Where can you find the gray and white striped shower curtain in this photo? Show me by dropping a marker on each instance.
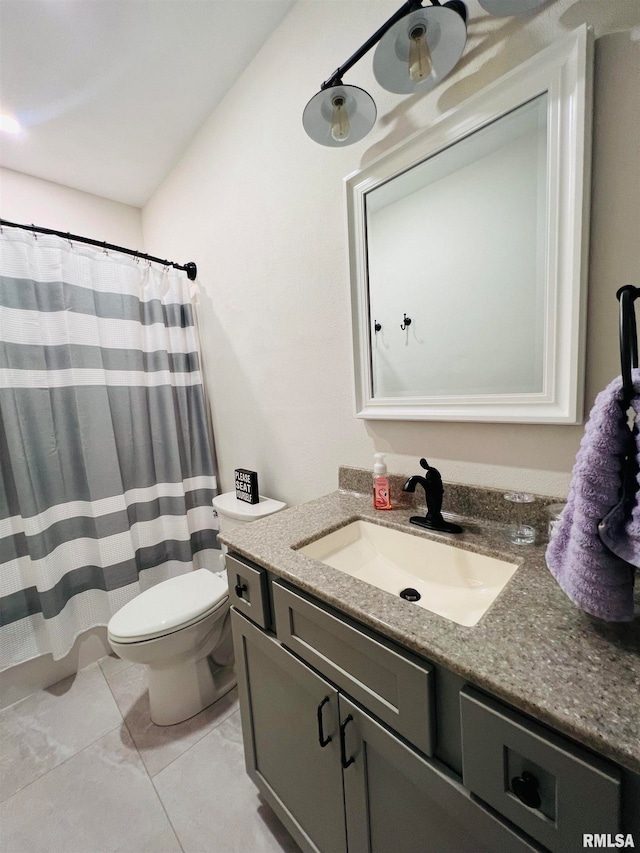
(106, 463)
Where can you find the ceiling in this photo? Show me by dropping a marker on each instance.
(110, 92)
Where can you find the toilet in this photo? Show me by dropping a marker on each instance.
(181, 629)
(233, 513)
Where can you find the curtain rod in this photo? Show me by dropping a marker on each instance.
(190, 268)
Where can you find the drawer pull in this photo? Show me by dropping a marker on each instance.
(240, 588)
(343, 747)
(525, 788)
(322, 740)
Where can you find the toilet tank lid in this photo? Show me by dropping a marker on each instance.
(170, 604)
(229, 505)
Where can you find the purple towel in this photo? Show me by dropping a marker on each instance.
(620, 528)
(595, 579)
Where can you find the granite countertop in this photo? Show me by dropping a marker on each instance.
(532, 648)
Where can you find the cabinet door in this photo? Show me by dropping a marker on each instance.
(291, 744)
(398, 801)
(393, 684)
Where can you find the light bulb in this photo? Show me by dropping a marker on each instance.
(8, 124)
(420, 63)
(340, 127)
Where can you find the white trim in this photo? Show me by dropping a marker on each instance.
(564, 71)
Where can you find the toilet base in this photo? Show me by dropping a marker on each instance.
(182, 691)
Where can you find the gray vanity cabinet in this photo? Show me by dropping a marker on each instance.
(396, 688)
(398, 801)
(340, 780)
(291, 738)
(346, 735)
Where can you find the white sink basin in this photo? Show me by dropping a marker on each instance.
(459, 585)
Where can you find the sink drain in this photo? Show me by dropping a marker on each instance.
(410, 594)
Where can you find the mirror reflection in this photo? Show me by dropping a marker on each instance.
(457, 246)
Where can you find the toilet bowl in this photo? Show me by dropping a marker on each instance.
(181, 630)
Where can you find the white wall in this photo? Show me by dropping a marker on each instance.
(260, 208)
(27, 200)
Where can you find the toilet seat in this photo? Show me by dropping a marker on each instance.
(173, 604)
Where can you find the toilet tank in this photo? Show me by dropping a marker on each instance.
(233, 513)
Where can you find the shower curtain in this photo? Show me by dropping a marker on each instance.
(106, 460)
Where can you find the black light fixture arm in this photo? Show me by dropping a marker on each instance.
(190, 267)
(336, 77)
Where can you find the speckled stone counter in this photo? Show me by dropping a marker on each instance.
(532, 648)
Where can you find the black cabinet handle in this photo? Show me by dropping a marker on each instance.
(240, 588)
(322, 740)
(343, 747)
(525, 788)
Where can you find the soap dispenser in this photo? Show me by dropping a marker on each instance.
(381, 489)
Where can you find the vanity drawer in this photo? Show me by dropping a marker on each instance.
(248, 590)
(395, 687)
(569, 790)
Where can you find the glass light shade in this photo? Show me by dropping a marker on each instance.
(446, 35)
(502, 8)
(339, 116)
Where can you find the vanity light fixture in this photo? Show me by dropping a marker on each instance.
(423, 47)
(417, 47)
(339, 115)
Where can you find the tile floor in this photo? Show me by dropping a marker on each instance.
(84, 770)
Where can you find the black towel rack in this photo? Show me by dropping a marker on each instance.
(628, 339)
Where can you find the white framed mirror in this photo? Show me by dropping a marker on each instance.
(468, 248)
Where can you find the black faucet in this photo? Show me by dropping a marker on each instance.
(433, 491)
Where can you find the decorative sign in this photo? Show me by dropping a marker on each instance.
(247, 486)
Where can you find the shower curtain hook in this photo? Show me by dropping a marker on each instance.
(69, 239)
(33, 231)
(104, 247)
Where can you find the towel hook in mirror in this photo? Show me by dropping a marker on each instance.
(406, 323)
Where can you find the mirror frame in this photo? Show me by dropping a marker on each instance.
(564, 70)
